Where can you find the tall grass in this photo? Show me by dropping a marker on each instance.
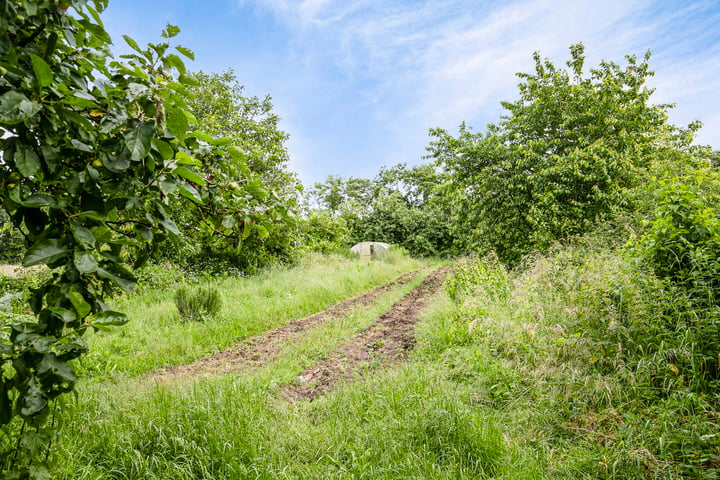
(404, 424)
(407, 422)
(582, 365)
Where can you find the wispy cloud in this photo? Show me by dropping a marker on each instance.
(419, 64)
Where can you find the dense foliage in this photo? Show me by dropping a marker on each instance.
(220, 109)
(569, 152)
(403, 206)
(92, 150)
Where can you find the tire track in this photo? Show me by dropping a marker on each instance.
(386, 341)
(259, 350)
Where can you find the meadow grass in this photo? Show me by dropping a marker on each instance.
(156, 337)
(515, 375)
(406, 422)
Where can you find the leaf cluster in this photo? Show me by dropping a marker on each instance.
(92, 150)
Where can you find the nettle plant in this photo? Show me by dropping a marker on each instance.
(92, 149)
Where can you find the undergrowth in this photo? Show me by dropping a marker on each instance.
(589, 358)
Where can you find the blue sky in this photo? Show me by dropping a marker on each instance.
(358, 83)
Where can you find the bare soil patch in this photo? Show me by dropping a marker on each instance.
(257, 351)
(385, 342)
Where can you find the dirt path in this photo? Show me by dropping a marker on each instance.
(385, 342)
(259, 350)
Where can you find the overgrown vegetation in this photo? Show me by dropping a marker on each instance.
(579, 337)
(589, 356)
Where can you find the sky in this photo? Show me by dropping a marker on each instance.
(358, 83)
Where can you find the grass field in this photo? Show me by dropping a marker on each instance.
(500, 382)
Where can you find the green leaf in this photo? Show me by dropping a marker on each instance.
(237, 153)
(44, 252)
(127, 283)
(109, 318)
(189, 80)
(83, 236)
(85, 262)
(133, 44)
(189, 175)
(67, 316)
(32, 401)
(57, 369)
(185, 159)
(186, 51)
(229, 221)
(93, 215)
(177, 122)
(204, 137)
(83, 147)
(138, 139)
(37, 200)
(116, 163)
(81, 306)
(172, 60)
(188, 191)
(222, 141)
(262, 231)
(16, 107)
(170, 31)
(163, 148)
(247, 228)
(27, 162)
(43, 72)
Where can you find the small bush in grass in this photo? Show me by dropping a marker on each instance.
(197, 303)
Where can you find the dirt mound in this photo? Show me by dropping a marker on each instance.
(257, 351)
(385, 342)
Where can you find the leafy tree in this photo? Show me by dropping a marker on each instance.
(569, 151)
(220, 108)
(402, 205)
(92, 149)
(324, 233)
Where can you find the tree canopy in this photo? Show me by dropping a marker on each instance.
(568, 152)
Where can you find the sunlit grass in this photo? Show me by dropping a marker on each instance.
(156, 337)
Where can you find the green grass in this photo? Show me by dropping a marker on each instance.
(518, 375)
(157, 338)
(406, 422)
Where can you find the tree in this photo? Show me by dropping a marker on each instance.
(220, 109)
(569, 152)
(402, 205)
(92, 149)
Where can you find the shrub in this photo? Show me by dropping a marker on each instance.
(197, 303)
(483, 277)
(682, 247)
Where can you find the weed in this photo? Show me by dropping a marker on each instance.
(197, 303)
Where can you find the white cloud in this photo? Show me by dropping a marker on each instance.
(419, 64)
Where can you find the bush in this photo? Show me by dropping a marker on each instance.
(197, 303)
(682, 247)
(483, 277)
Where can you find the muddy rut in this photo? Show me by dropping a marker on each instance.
(386, 341)
(257, 351)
